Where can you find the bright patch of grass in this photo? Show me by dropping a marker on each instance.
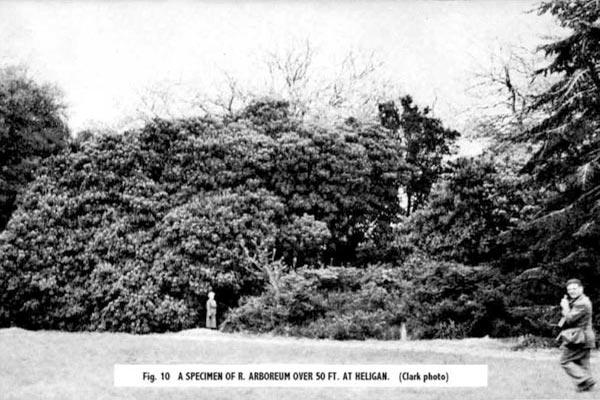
(60, 365)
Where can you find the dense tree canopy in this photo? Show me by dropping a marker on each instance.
(475, 201)
(31, 128)
(129, 232)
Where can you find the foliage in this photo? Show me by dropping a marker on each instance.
(76, 250)
(532, 226)
(427, 143)
(567, 159)
(346, 177)
(473, 203)
(272, 117)
(129, 232)
(451, 300)
(332, 302)
(563, 237)
(31, 128)
(436, 299)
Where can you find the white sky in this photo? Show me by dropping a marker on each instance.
(102, 54)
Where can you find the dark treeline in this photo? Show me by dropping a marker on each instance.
(341, 230)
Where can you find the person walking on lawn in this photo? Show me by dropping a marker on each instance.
(577, 336)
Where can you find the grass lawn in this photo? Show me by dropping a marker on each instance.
(60, 365)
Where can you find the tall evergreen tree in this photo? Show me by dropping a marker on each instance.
(564, 236)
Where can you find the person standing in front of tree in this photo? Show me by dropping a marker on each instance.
(211, 311)
(577, 335)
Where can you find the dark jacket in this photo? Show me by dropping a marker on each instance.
(580, 316)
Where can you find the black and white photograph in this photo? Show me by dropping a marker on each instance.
(321, 199)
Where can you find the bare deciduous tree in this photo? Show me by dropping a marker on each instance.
(316, 88)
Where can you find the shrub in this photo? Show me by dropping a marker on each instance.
(333, 302)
